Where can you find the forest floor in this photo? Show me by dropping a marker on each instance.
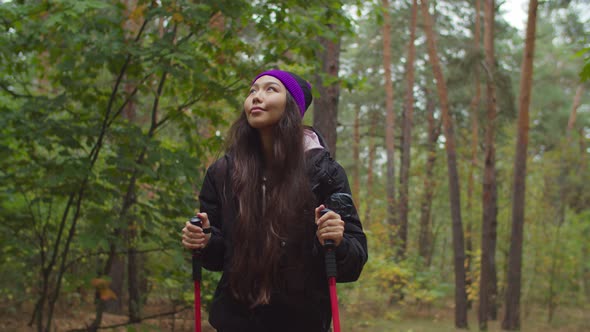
(393, 319)
(441, 319)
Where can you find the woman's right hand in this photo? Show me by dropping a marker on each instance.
(193, 236)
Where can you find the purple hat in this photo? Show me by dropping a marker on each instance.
(299, 88)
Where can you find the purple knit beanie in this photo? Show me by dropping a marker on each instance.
(299, 88)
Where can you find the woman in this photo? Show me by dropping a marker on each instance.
(262, 226)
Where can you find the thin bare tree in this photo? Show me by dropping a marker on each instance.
(512, 308)
(487, 284)
(425, 236)
(373, 120)
(389, 127)
(356, 162)
(407, 123)
(474, 107)
(325, 105)
(454, 188)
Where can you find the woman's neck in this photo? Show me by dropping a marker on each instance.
(267, 145)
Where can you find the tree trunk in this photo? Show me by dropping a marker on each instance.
(512, 315)
(407, 122)
(584, 267)
(118, 264)
(131, 235)
(454, 188)
(425, 241)
(134, 261)
(371, 163)
(133, 268)
(572, 119)
(474, 107)
(325, 105)
(117, 276)
(395, 240)
(487, 287)
(356, 162)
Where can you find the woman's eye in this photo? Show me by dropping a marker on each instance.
(271, 88)
(251, 91)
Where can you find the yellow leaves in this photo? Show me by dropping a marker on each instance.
(177, 17)
(107, 294)
(138, 13)
(103, 289)
(135, 18)
(473, 276)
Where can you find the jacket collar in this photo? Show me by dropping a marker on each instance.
(321, 140)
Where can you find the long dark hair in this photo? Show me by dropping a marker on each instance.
(259, 232)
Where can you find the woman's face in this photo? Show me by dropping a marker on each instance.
(265, 104)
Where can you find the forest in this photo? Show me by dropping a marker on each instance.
(464, 134)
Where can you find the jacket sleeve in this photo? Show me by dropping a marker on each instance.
(210, 203)
(352, 253)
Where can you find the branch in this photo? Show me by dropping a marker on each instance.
(487, 70)
(106, 122)
(155, 123)
(176, 112)
(12, 93)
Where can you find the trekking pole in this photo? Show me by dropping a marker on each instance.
(331, 272)
(196, 221)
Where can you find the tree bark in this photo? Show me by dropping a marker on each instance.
(371, 163)
(487, 287)
(572, 119)
(425, 241)
(454, 188)
(474, 107)
(118, 264)
(512, 315)
(325, 105)
(117, 276)
(395, 240)
(356, 163)
(407, 122)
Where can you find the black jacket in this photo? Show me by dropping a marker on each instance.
(302, 303)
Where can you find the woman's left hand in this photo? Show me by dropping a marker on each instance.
(330, 226)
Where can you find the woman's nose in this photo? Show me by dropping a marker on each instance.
(256, 98)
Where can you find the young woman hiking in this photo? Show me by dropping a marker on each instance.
(262, 227)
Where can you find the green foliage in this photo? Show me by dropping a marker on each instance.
(109, 116)
(585, 73)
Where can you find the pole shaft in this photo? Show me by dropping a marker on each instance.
(197, 306)
(334, 303)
